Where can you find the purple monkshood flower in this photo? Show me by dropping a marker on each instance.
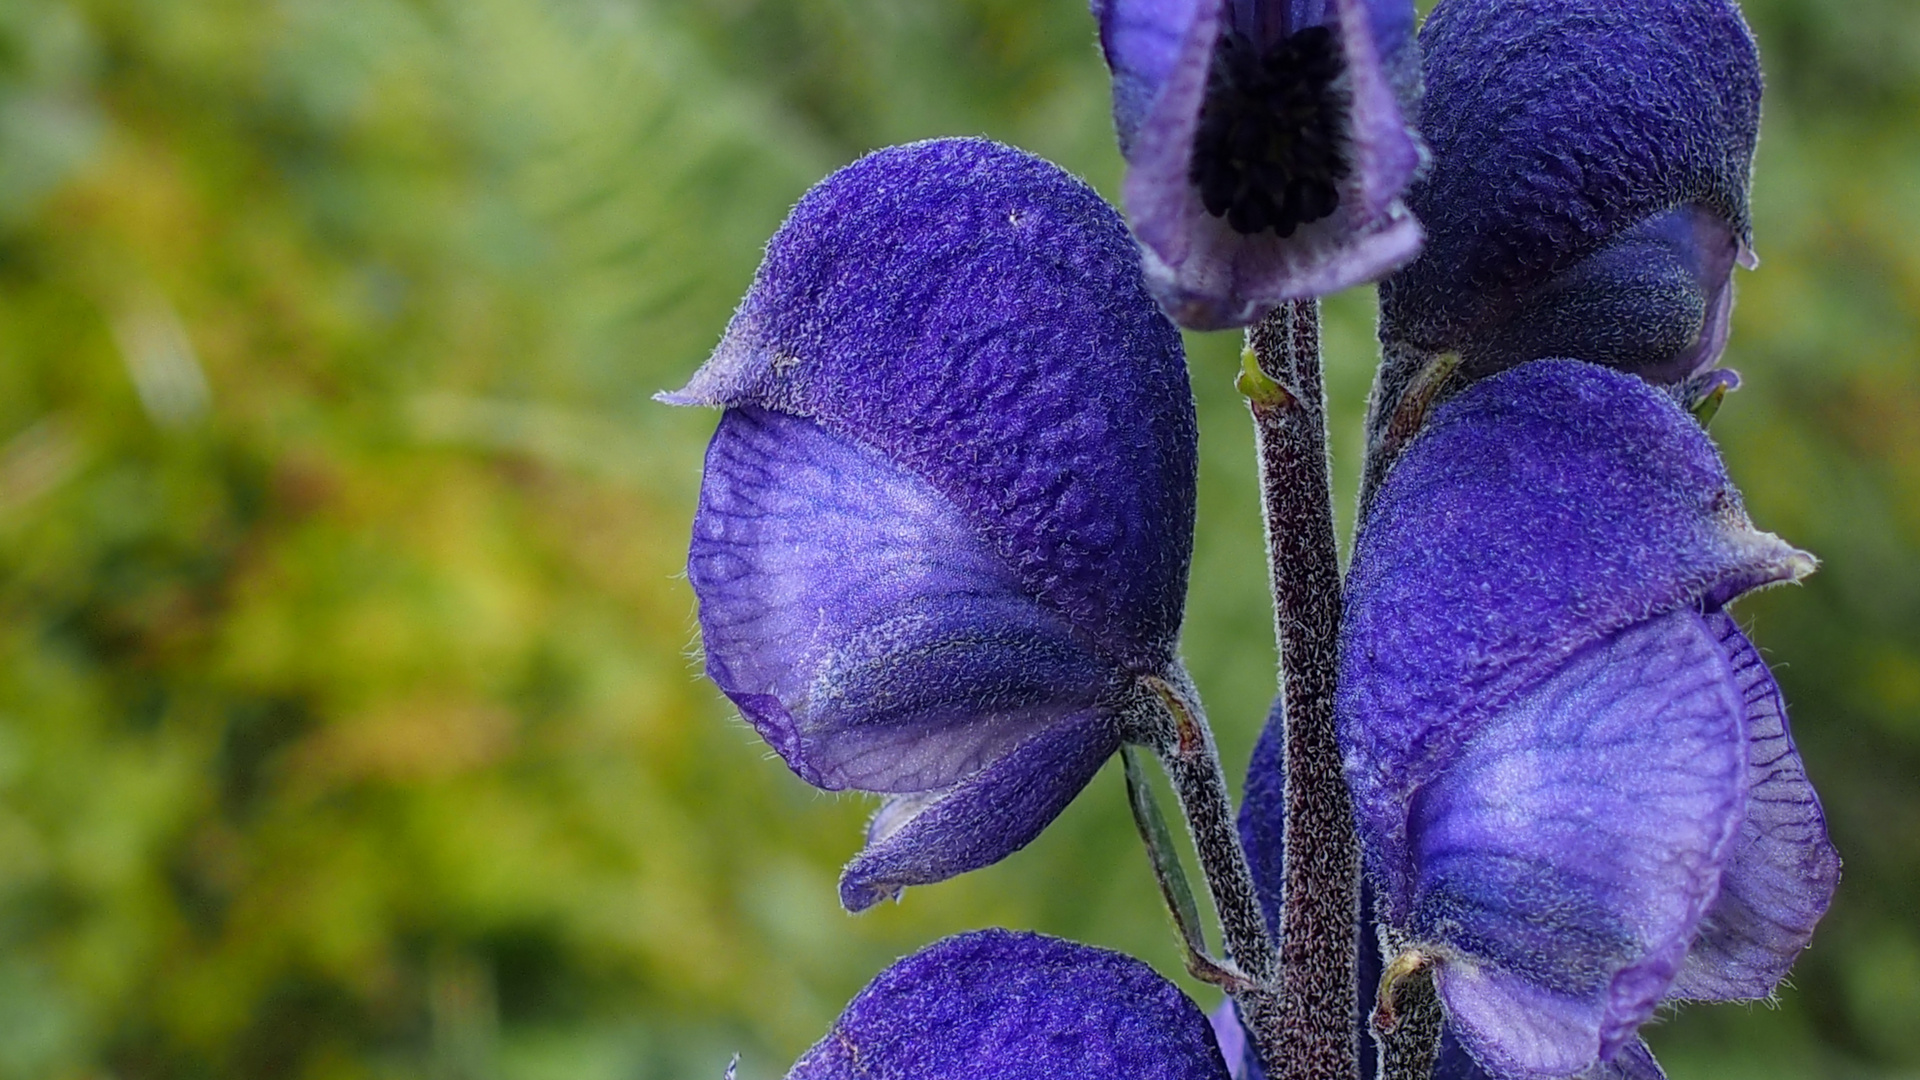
(1267, 146)
(1259, 828)
(1588, 189)
(946, 518)
(1571, 771)
(999, 1005)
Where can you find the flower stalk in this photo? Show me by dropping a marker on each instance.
(1167, 718)
(1320, 893)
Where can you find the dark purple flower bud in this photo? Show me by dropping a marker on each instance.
(1588, 189)
(1000, 1005)
(1571, 771)
(947, 516)
(1267, 146)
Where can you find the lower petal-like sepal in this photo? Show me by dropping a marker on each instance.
(866, 632)
(1564, 859)
(876, 644)
(923, 838)
(1782, 873)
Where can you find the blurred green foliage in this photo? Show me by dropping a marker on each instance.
(350, 719)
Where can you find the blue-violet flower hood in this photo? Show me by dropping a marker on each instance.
(1571, 771)
(1588, 192)
(946, 518)
(1000, 1005)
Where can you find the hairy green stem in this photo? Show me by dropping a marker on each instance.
(1314, 1038)
(1165, 715)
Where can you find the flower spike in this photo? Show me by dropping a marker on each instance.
(947, 515)
(1571, 772)
(1267, 147)
(999, 1005)
(1588, 194)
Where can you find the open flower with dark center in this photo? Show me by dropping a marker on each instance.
(1267, 146)
(1588, 194)
(1571, 771)
(999, 1005)
(1267, 156)
(946, 519)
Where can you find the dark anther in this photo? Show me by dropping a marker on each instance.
(1268, 153)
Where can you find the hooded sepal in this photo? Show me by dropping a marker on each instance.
(1571, 774)
(1000, 1005)
(976, 315)
(949, 510)
(1588, 195)
(1457, 601)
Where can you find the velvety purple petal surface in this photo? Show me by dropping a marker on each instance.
(1144, 41)
(976, 316)
(1383, 69)
(1783, 870)
(999, 1005)
(921, 839)
(1207, 275)
(1633, 1062)
(1555, 126)
(1655, 301)
(1543, 510)
(1561, 864)
(1452, 1062)
(1234, 1048)
(858, 621)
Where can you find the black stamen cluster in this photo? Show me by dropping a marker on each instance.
(1268, 153)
